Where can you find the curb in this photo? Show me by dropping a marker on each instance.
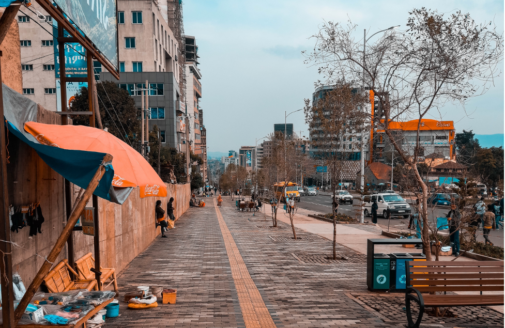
(474, 256)
(322, 218)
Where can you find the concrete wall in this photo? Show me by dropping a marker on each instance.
(127, 230)
(11, 58)
(31, 180)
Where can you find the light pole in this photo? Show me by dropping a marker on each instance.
(362, 172)
(285, 146)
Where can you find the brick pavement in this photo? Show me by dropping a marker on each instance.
(297, 284)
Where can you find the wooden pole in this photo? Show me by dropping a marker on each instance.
(5, 247)
(91, 78)
(72, 220)
(96, 242)
(7, 17)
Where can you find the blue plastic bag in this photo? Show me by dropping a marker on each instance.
(442, 224)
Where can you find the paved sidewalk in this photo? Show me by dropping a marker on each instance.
(231, 269)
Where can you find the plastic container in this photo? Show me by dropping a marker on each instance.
(103, 313)
(169, 296)
(144, 289)
(381, 271)
(157, 291)
(112, 310)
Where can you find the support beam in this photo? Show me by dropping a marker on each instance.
(96, 242)
(7, 17)
(5, 232)
(53, 255)
(90, 79)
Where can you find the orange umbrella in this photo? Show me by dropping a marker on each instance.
(130, 168)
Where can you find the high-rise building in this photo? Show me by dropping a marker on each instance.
(281, 127)
(247, 156)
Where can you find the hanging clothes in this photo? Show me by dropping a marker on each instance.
(35, 219)
(18, 221)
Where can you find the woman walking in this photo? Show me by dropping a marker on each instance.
(375, 207)
(160, 218)
(489, 223)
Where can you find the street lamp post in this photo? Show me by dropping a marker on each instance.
(362, 173)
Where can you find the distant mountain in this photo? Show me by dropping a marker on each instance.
(490, 140)
(216, 154)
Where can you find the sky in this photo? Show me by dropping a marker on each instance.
(253, 70)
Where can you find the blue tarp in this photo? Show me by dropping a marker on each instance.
(5, 3)
(76, 166)
(447, 180)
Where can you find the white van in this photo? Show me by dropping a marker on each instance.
(394, 202)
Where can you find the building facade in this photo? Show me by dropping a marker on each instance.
(436, 139)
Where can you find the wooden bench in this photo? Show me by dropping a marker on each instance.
(58, 279)
(108, 276)
(451, 276)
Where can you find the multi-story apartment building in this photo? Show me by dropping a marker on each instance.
(259, 157)
(148, 51)
(37, 55)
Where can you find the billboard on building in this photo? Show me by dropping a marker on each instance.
(321, 169)
(97, 20)
(75, 56)
(73, 88)
(248, 160)
(181, 125)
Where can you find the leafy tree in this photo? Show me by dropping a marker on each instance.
(170, 161)
(467, 147)
(196, 181)
(117, 110)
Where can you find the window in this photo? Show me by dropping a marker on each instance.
(47, 43)
(162, 134)
(156, 89)
(27, 67)
(23, 19)
(50, 91)
(28, 91)
(48, 67)
(121, 67)
(350, 146)
(197, 136)
(157, 113)
(154, 25)
(197, 127)
(137, 66)
(49, 19)
(97, 69)
(130, 43)
(120, 17)
(156, 49)
(137, 17)
(441, 137)
(26, 43)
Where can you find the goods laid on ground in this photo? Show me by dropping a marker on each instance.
(65, 308)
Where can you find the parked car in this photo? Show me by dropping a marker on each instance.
(394, 202)
(343, 196)
(311, 191)
(443, 199)
(301, 191)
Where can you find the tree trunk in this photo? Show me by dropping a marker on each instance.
(274, 217)
(334, 236)
(292, 224)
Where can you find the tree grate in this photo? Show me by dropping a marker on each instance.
(327, 259)
(391, 309)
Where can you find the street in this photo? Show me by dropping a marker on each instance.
(322, 204)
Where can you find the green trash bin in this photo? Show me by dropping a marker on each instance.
(381, 271)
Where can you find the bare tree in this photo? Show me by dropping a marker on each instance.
(438, 59)
(335, 122)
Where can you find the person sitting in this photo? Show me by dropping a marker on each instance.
(258, 204)
(219, 200)
(192, 201)
(160, 218)
(242, 204)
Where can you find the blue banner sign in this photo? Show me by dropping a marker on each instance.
(75, 59)
(97, 21)
(321, 169)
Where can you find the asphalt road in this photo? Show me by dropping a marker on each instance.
(322, 204)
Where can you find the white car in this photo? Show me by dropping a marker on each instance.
(343, 196)
(311, 192)
(387, 201)
(301, 191)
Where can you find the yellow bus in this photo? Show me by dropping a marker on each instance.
(291, 191)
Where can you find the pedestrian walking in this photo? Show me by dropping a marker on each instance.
(286, 207)
(335, 204)
(489, 223)
(273, 204)
(414, 214)
(498, 216)
(454, 218)
(480, 209)
(160, 218)
(375, 207)
(291, 205)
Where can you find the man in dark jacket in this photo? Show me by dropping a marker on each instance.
(454, 218)
(170, 209)
(160, 218)
(375, 207)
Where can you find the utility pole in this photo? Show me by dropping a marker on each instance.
(188, 158)
(142, 111)
(147, 117)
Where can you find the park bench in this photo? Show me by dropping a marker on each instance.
(58, 280)
(426, 279)
(251, 206)
(85, 265)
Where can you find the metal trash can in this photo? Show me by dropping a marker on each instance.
(399, 270)
(381, 271)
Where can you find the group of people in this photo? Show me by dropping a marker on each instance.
(161, 218)
(255, 200)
